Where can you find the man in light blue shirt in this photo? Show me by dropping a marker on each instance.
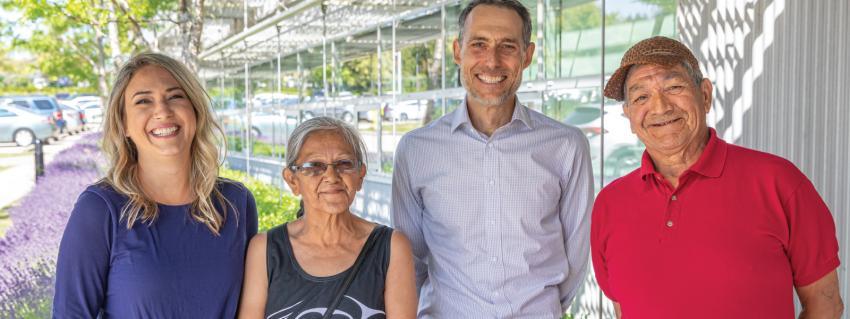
(494, 197)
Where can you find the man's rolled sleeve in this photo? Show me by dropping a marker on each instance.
(812, 247)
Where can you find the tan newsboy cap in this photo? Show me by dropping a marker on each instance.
(655, 50)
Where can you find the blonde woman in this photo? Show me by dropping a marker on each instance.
(161, 236)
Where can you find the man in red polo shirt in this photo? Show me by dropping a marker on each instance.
(705, 229)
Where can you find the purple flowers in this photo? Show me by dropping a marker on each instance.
(29, 249)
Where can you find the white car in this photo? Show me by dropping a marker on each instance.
(93, 111)
(262, 100)
(85, 99)
(74, 118)
(406, 110)
(622, 151)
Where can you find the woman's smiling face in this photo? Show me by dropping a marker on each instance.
(159, 117)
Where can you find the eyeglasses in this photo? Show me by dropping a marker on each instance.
(319, 168)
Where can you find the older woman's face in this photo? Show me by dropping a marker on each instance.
(331, 192)
(158, 116)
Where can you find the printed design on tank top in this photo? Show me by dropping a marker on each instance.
(287, 313)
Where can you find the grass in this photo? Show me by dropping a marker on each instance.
(40, 308)
(9, 155)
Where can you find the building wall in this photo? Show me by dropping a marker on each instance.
(781, 72)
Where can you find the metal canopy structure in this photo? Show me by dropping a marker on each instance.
(304, 26)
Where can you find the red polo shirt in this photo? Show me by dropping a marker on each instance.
(741, 230)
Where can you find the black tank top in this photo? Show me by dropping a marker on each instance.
(295, 294)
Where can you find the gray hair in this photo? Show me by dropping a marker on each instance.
(694, 74)
(324, 123)
(508, 4)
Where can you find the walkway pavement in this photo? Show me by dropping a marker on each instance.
(17, 167)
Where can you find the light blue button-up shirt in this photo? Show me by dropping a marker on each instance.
(499, 225)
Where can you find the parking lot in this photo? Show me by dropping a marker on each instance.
(17, 167)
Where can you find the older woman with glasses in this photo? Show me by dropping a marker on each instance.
(328, 261)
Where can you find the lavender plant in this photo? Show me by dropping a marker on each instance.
(29, 249)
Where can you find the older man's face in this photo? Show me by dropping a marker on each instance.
(666, 109)
(492, 55)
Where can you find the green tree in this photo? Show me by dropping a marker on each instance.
(665, 7)
(585, 16)
(87, 40)
(83, 39)
(357, 75)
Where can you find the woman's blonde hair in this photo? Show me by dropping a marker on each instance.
(123, 155)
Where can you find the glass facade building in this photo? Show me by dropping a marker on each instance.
(387, 68)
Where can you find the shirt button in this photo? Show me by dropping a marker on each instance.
(674, 197)
(492, 182)
(492, 223)
(669, 223)
(494, 259)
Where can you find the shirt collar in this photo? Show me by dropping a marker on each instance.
(710, 163)
(461, 116)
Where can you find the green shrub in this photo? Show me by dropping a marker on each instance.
(274, 206)
(234, 144)
(266, 149)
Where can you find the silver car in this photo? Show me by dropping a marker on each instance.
(24, 127)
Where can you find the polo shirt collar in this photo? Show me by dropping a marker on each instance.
(461, 116)
(710, 163)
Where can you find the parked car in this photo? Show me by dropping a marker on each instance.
(93, 111)
(343, 113)
(86, 99)
(74, 118)
(622, 149)
(90, 105)
(406, 110)
(40, 104)
(263, 100)
(24, 127)
(269, 126)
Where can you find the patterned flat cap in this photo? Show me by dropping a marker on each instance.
(655, 50)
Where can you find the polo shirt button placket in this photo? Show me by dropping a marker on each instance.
(672, 205)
